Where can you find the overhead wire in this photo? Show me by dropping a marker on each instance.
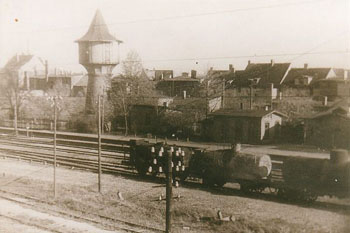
(189, 15)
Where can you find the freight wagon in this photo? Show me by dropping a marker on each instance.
(291, 178)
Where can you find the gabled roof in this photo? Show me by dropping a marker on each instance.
(246, 113)
(16, 62)
(263, 74)
(98, 31)
(315, 73)
(266, 72)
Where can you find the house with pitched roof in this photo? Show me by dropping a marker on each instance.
(183, 85)
(301, 82)
(28, 70)
(255, 87)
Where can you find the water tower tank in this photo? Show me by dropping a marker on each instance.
(99, 54)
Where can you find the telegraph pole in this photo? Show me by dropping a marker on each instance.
(207, 101)
(103, 115)
(54, 146)
(55, 106)
(15, 116)
(99, 143)
(169, 192)
(223, 94)
(251, 97)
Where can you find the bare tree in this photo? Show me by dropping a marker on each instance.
(131, 87)
(9, 85)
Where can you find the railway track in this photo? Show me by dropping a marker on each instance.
(70, 157)
(47, 145)
(113, 223)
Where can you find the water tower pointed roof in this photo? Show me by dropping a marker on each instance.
(98, 30)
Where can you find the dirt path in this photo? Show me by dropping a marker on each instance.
(8, 225)
(17, 218)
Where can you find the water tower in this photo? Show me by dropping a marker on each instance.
(99, 54)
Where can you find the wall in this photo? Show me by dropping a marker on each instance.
(176, 88)
(232, 129)
(331, 89)
(295, 101)
(238, 98)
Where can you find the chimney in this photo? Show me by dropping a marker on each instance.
(345, 75)
(230, 67)
(306, 66)
(193, 74)
(248, 62)
(325, 101)
(184, 74)
(272, 62)
(184, 94)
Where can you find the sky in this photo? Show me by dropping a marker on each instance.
(183, 34)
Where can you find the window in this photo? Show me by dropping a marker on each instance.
(241, 106)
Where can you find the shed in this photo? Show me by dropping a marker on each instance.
(246, 126)
(330, 128)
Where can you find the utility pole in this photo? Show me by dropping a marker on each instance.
(54, 104)
(15, 115)
(223, 94)
(207, 101)
(169, 192)
(103, 115)
(99, 143)
(251, 97)
(54, 146)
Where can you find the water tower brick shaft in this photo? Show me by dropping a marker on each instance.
(98, 53)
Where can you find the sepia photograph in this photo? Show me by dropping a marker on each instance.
(180, 116)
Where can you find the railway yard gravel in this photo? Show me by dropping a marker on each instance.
(194, 211)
